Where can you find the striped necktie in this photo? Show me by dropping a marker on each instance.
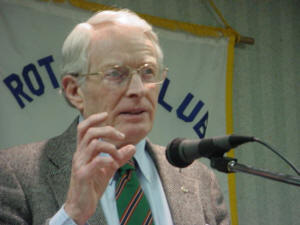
(133, 207)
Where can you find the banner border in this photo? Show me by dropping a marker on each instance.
(229, 127)
(174, 25)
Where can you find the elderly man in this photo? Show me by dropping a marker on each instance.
(112, 68)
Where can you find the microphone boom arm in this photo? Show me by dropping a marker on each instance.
(230, 165)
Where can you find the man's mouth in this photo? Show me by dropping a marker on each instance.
(133, 112)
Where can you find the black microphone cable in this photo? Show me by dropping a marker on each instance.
(278, 154)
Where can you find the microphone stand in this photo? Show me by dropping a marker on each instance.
(230, 165)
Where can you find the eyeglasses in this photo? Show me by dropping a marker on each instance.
(120, 75)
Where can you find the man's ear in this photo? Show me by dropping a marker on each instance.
(72, 91)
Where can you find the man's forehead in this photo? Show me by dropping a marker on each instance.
(107, 30)
(119, 36)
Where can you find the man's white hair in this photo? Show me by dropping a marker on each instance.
(75, 57)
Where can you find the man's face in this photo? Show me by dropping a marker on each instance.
(131, 107)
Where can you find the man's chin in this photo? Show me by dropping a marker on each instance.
(134, 133)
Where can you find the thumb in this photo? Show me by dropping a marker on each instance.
(126, 153)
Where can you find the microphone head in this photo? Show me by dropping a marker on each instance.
(173, 154)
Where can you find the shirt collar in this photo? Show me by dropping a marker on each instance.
(143, 160)
(80, 118)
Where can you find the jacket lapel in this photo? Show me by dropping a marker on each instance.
(60, 152)
(182, 191)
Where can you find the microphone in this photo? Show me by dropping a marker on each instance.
(182, 152)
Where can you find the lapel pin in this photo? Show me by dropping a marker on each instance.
(184, 190)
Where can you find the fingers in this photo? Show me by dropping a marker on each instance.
(91, 121)
(96, 147)
(107, 166)
(91, 129)
(105, 133)
(88, 143)
(87, 156)
(126, 153)
(121, 156)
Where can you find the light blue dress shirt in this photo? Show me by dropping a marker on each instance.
(150, 183)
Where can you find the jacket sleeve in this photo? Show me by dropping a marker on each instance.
(14, 208)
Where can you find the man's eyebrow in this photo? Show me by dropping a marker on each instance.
(110, 64)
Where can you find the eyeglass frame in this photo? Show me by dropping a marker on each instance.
(163, 71)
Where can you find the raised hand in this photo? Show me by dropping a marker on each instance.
(90, 171)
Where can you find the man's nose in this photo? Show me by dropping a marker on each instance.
(136, 86)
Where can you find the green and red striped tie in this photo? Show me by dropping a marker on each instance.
(133, 207)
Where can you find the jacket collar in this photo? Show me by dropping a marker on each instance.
(60, 152)
(61, 148)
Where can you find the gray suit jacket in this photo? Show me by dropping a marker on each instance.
(34, 180)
